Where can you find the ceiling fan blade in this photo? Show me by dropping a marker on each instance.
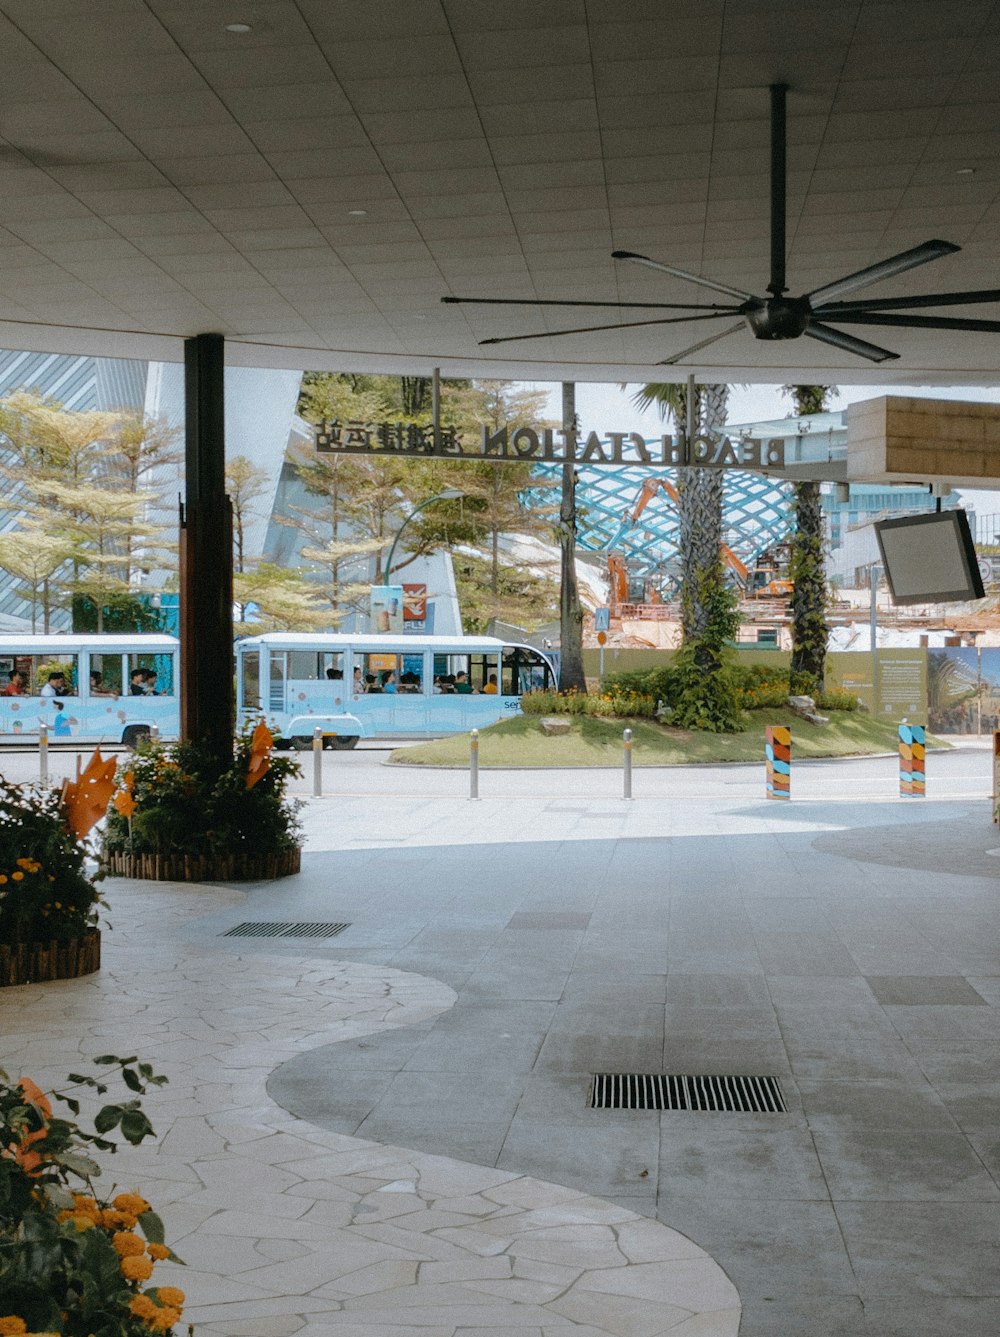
(833, 310)
(696, 348)
(885, 269)
(540, 301)
(916, 322)
(681, 274)
(591, 329)
(778, 188)
(847, 342)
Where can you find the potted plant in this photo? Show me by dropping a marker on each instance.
(73, 1264)
(182, 815)
(48, 903)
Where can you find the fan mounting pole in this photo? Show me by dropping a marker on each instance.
(778, 192)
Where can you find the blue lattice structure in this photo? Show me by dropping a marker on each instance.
(756, 515)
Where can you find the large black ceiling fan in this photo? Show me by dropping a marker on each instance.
(779, 316)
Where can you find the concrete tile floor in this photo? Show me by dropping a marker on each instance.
(833, 941)
(721, 937)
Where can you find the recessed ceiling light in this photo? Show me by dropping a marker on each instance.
(358, 213)
(238, 27)
(965, 171)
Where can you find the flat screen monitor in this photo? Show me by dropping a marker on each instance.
(930, 558)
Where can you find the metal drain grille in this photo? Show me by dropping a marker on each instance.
(673, 1091)
(276, 929)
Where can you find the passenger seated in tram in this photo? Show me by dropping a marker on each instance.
(389, 683)
(491, 688)
(371, 683)
(462, 684)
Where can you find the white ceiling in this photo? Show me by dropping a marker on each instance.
(162, 177)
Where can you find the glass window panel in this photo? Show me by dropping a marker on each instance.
(105, 675)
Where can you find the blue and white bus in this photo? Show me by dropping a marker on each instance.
(88, 688)
(379, 685)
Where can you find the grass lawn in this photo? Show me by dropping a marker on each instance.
(597, 742)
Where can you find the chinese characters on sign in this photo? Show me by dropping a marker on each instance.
(713, 450)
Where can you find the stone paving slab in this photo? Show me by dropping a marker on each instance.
(287, 1228)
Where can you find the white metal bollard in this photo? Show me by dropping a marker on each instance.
(154, 733)
(474, 764)
(318, 761)
(627, 761)
(43, 753)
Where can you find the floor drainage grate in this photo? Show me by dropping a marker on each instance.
(673, 1091)
(276, 929)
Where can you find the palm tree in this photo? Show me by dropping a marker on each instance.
(701, 490)
(810, 630)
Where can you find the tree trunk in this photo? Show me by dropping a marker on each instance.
(700, 514)
(571, 676)
(810, 631)
(415, 391)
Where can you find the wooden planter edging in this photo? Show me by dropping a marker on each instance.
(35, 962)
(205, 868)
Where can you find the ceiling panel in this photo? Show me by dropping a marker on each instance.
(323, 179)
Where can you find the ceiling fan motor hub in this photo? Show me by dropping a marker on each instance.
(778, 317)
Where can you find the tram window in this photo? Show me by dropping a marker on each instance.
(41, 670)
(481, 669)
(105, 675)
(251, 679)
(331, 663)
(150, 675)
(380, 672)
(524, 671)
(411, 674)
(305, 665)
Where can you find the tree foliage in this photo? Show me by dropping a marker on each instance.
(807, 567)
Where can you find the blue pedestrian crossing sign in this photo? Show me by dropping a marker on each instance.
(602, 619)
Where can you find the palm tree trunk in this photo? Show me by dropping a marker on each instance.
(700, 515)
(571, 675)
(810, 630)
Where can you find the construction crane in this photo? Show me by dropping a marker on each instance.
(764, 581)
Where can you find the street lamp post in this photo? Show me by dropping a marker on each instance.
(449, 494)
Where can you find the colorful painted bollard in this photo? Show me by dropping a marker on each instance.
(778, 756)
(912, 773)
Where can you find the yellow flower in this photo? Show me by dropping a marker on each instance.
(170, 1295)
(127, 1245)
(3, 878)
(84, 1204)
(17, 877)
(157, 1251)
(142, 1306)
(112, 1219)
(130, 1202)
(136, 1268)
(11, 1325)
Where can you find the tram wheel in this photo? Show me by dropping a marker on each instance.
(300, 743)
(342, 742)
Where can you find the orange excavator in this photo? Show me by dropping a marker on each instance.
(764, 581)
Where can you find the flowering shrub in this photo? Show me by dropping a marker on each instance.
(616, 704)
(182, 803)
(72, 1263)
(44, 892)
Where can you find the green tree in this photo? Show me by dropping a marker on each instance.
(807, 568)
(286, 600)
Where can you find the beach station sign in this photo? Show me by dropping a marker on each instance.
(549, 445)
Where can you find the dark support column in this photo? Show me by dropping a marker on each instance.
(208, 713)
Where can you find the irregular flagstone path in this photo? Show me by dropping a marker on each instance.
(288, 1229)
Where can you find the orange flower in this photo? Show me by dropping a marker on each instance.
(143, 1307)
(164, 1319)
(111, 1219)
(130, 1202)
(11, 1325)
(86, 1205)
(127, 1245)
(157, 1251)
(136, 1268)
(170, 1295)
